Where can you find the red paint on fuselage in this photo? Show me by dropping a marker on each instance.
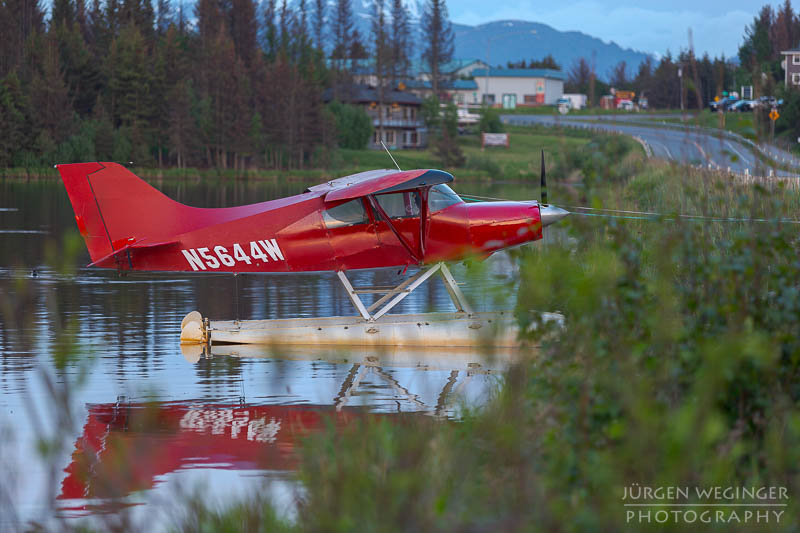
(129, 225)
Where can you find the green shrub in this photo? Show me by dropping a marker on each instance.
(490, 121)
(353, 125)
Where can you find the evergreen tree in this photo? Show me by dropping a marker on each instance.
(379, 54)
(270, 30)
(319, 23)
(438, 36)
(400, 43)
(15, 120)
(618, 77)
(163, 16)
(20, 20)
(63, 13)
(244, 29)
(342, 32)
(579, 77)
(49, 96)
(130, 83)
(757, 47)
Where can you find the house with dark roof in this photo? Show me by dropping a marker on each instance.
(397, 120)
(511, 88)
(791, 68)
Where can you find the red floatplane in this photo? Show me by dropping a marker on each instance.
(374, 219)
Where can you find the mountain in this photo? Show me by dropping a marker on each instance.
(513, 40)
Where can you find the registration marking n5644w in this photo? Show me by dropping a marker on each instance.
(217, 256)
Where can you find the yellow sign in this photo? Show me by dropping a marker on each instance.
(716, 98)
(773, 115)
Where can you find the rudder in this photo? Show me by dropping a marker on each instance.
(114, 207)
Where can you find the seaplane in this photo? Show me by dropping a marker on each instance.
(370, 220)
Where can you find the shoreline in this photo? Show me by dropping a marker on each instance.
(198, 174)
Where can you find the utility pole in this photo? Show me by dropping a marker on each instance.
(591, 79)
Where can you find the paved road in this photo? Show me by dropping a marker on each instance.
(682, 144)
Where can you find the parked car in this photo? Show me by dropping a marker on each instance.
(766, 101)
(742, 105)
(722, 104)
(566, 102)
(626, 105)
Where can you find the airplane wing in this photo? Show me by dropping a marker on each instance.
(380, 181)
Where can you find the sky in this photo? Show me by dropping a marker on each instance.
(648, 25)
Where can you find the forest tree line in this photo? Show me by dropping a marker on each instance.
(229, 85)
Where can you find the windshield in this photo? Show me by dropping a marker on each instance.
(441, 196)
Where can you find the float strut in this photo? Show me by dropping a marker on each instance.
(398, 294)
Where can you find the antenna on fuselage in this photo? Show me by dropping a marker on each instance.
(543, 183)
(390, 155)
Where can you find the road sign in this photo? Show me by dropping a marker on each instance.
(773, 115)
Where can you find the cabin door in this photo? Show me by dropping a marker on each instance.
(403, 210)
(351, 234)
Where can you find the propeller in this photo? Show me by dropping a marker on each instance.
(549, 214)
(544, 183)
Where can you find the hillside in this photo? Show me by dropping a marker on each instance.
(512, 40)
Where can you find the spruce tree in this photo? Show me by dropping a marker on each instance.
(319, 23)
(400, 43)
(342, 33)
(379, 54)
(438, 37)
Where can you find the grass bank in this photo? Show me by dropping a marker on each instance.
(520, 160)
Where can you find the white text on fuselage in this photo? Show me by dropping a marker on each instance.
(219, 256)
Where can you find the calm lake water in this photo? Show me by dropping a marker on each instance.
(91, 369)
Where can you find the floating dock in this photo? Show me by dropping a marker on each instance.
(459, 329)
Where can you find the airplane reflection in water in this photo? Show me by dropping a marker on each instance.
(128, 447)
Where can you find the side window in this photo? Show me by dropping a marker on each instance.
(347, 214)
(400, 204)
(441, 196)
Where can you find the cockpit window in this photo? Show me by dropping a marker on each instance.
(400, 204)
(441, 196)
(347, 214)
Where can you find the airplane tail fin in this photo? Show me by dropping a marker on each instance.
(114, 208)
